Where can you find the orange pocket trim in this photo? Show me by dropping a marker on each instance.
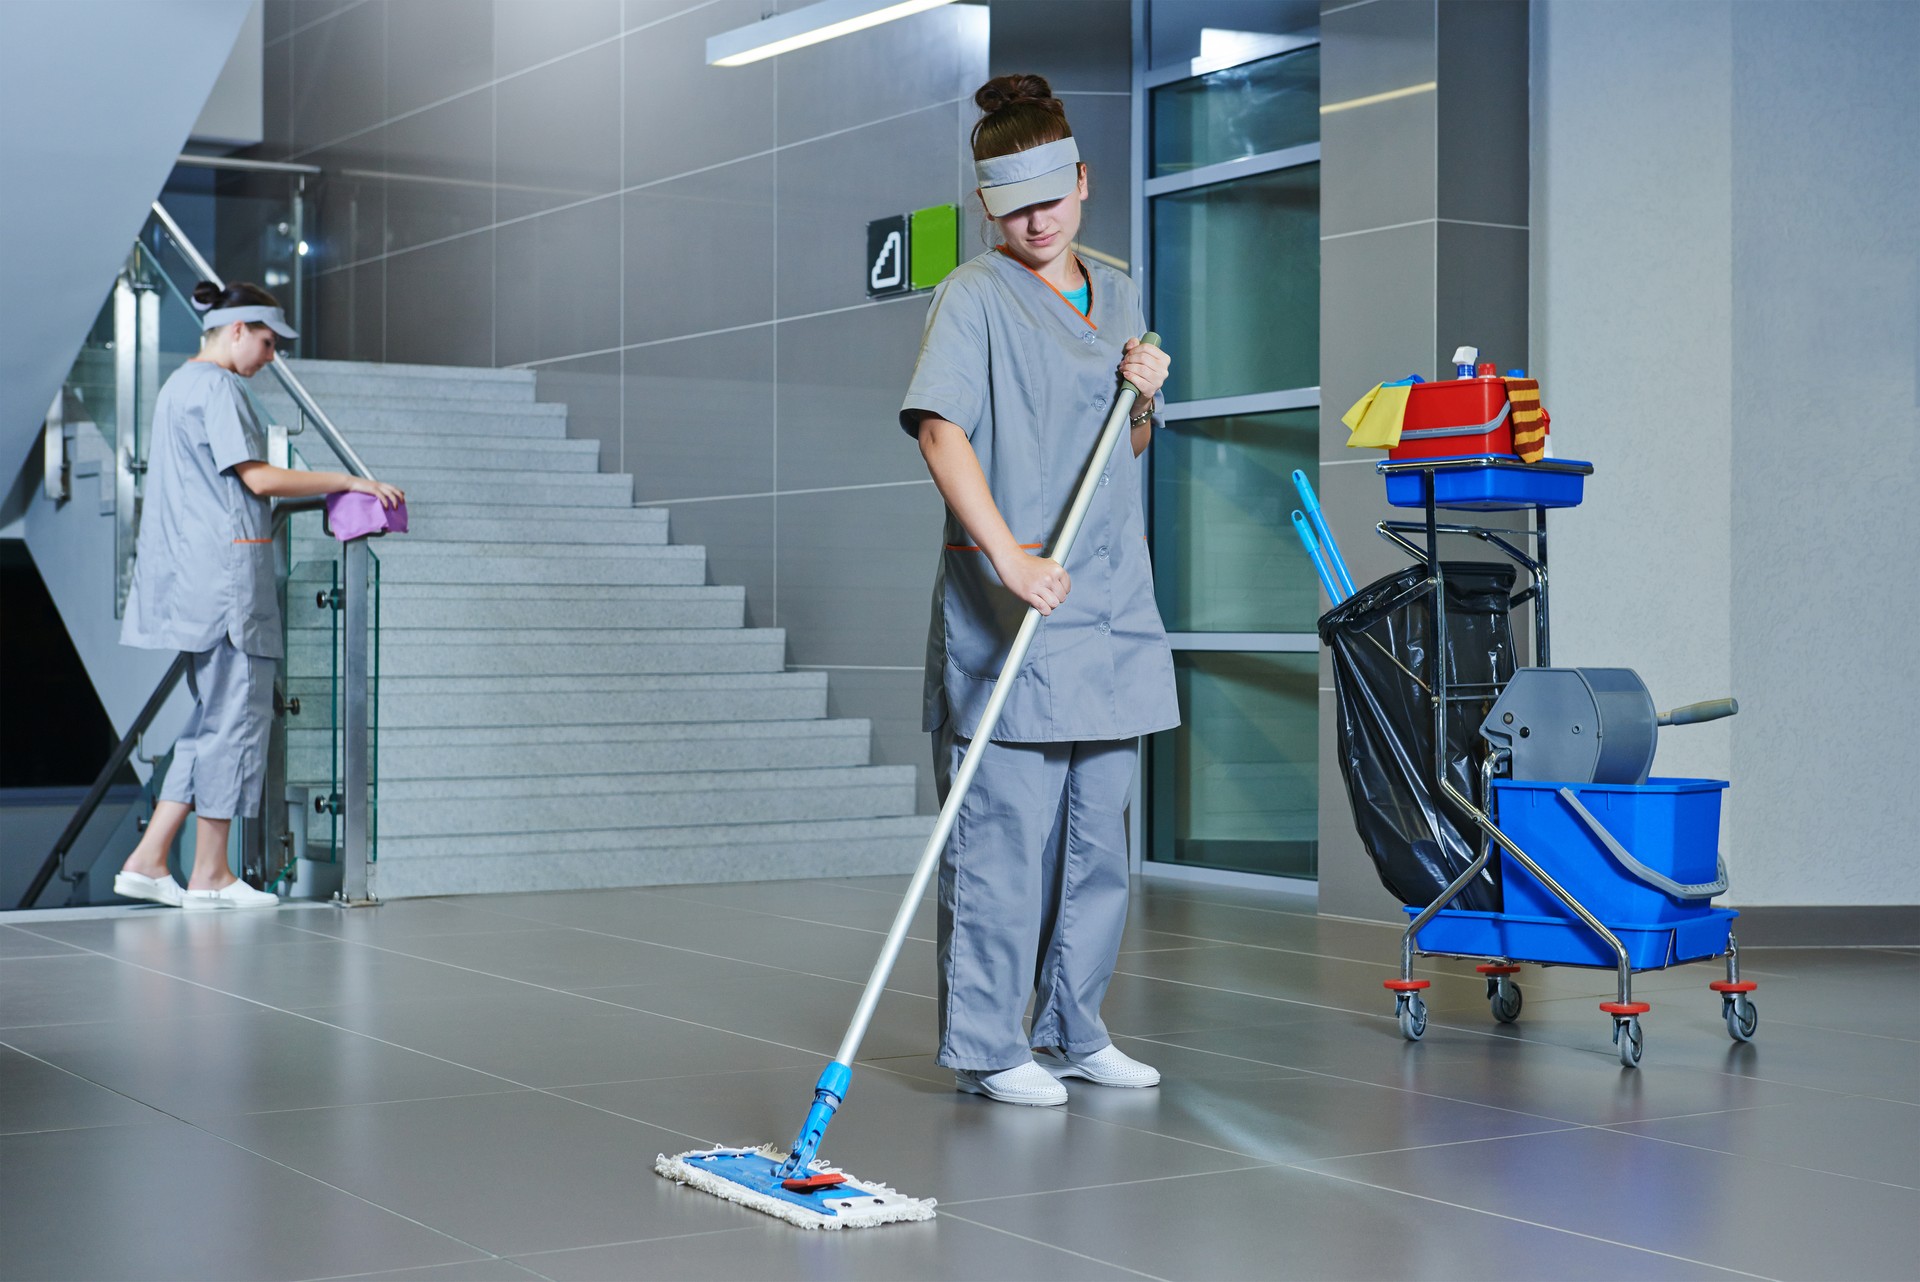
(253, 540)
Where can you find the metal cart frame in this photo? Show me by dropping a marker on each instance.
(1503, 994)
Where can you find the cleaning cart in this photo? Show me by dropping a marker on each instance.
(1510, 807)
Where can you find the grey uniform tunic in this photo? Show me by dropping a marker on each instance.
(204, 567)
(1031, 382)
(1033, 882)
(203, 583)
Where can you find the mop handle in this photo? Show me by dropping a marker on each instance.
(1313, 552)
(1335, 561)
(983, 733)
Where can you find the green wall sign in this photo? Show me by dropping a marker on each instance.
(912, 251)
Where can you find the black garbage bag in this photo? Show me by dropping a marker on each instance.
(1380, 640)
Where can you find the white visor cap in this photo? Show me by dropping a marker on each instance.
(1035, 176)
(272, 317)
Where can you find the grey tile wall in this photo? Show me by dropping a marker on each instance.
(591, 389)
(678, 249)
(839, 420)
(701, 415)
(855, 572)
(1409, 271)
(557, 283)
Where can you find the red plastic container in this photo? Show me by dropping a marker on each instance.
(1453, 418)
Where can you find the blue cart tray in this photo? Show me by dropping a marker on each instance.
(1564, 942)
(1486, 482)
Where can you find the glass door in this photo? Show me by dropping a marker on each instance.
(1228, 213)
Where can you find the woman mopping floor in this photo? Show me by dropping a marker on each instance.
(1014, 374)
(1015, 370)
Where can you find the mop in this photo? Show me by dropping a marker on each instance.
(796, 1186)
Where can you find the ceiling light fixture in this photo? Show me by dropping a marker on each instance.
(786, 32)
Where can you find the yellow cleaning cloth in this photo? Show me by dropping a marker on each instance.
(1376, 417)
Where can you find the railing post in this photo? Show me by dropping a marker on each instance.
(126, 409)
(356, 868)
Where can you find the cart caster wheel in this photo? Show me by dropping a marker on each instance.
(1626, 1036)
(1505, 999)
(1743, 1017)
(1413, 1017)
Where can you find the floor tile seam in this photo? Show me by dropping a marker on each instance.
(358, 1197)
(1255, 1165)
(1616, 1128)
(638, 1241)
(375, 1103)
(1359, 1081)
(267, 1006)
(789, 917)
(546, 988)
(1308, 1163)
(1516, 1219)
(82, 1077)
(692, 952)
(1054, 1246)
(164, 1113)
(1303, 952)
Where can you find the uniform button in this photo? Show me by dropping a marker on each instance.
(1087, 339)
(1105, 626)
(1103, 478)
(1100, 551)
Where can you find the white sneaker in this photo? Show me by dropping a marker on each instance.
(1108, 1066)
(1026, 1083)
(237, 895)
(160, 890)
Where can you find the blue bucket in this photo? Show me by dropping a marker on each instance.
(1670, 825)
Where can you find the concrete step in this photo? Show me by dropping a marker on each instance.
(563, 804)
(362, 419)
(431, 487)
(445, 382)
(664, 563)
(479, 454)
(482, 752)
(409, 702)
(536, 652)
(405, 606)
(414, 866)
(322, 551)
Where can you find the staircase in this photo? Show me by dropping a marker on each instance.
(564, 702)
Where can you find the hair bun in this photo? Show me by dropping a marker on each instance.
(205, 295)
(1005, 91)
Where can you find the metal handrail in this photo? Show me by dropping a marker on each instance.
(328, 432)
(123, 751)
(241, 164)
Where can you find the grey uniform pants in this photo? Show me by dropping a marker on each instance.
(1033, 897)
(220, 759)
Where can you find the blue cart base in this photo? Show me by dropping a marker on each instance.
(1551, 941)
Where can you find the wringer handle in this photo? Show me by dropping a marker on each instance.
(1694, 713)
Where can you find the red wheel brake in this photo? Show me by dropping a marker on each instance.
(1406, 985)
(1491, 969)
(1625, 1008)
(1733, 986)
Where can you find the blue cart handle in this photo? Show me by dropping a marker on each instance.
(1312, 545)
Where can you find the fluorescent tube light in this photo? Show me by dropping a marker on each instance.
(785, 32)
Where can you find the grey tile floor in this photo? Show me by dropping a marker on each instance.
(476, 1089)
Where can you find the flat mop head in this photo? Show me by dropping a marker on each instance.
(749, 1176)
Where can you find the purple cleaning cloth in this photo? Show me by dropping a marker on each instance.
(351, 514)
